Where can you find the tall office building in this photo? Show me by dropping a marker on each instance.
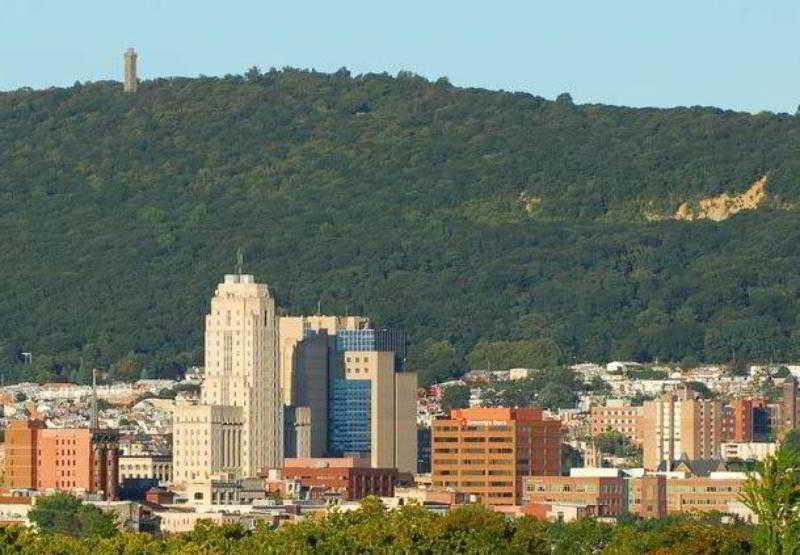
(307, 358)
(295, 331)
(372, 410)
(360, 398)
(678, 425)
(131, 81)
(241, 411)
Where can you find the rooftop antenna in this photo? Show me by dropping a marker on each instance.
(93, 418)
(239, 260)
(319, 307)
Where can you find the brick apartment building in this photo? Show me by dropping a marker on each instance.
(487, 451)
(63, 459)
(625, 419)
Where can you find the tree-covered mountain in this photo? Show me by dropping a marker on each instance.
(492, 226)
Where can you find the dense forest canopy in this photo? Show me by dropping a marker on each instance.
(489, 225)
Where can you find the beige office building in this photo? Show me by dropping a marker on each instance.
(308, 357)
(293, 330)
(679, 424)
(241, 412)
(207, 443)
(393, 421)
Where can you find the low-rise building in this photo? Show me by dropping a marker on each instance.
(750, 451)
(713, 493)
(184, 520)
(62, 459)
(602, 491)
(14, 510)
(223, 492)
(158, 467)
(349, 478)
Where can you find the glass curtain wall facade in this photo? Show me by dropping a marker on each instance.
(349, 417)
(374, 340)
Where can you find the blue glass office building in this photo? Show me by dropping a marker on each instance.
(349, 417)
(350, 401)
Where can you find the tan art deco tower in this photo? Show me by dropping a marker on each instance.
(242, 368)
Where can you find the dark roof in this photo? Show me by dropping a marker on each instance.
(695, 467)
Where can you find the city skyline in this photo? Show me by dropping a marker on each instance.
(522, 277)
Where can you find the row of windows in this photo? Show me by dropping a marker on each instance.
(478, 472)
(703, 489)
(477, 484)
(577, 488)
(703, 502)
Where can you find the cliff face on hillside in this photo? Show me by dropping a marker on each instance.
(722, 207)
(456, 214)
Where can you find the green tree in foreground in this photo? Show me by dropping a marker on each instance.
(64, 514)
(773, 494)
(411, 529)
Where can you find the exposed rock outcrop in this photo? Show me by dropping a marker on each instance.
(724, 206)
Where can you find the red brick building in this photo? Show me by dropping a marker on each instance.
(351, 478)
(63, 459)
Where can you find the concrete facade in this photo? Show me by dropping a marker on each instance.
(242, 367)
(293, 331)
(677, 425)
(748, 451)
(207, 443)
(157, 467)
(393, 431)
(241, 415)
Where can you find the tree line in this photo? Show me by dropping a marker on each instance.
(495, 228)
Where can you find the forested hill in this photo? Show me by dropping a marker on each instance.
(491, 226)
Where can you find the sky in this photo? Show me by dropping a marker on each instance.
(740, 55)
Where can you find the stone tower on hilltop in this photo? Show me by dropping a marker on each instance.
(131, 83)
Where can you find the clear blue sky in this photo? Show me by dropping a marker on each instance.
(737, 54)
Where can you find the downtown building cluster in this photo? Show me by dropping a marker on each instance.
(294, 415)
(310, 408)
(285, 393)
